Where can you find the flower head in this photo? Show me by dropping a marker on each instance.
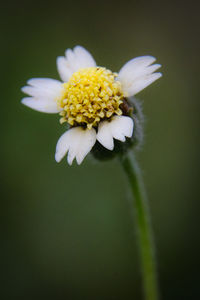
(93, 100)
(90, 95)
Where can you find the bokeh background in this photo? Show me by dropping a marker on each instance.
(68, 232)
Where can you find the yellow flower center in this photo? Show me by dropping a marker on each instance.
(90, 95)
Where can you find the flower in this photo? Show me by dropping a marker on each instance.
(91, 99)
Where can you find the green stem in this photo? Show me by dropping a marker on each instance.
(145, 239)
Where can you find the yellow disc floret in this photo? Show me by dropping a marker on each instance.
(90, 95)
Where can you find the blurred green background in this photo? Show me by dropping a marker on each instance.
(67, 232)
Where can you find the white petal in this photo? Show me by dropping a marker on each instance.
(138, 72)
(78, 142)
(119, 127)
(40, 92)
(47, 83)
(63, 68)
(43, 87)
(142, 83)
(136, 64)
(104, 135)
(42, 105)
(44, 92)
(84, 57)
(74, 60)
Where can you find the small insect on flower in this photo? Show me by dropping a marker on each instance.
(91, 99)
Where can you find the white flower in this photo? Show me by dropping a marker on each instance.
(90, 99)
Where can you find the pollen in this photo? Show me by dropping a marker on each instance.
(90, 95)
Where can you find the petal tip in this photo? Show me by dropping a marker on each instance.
(26, 100)
(57, 158)
(79, 161)
(23, 89)
(159, 74)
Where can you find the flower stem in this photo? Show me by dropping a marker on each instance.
(142, 217)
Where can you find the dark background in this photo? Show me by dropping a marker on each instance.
(67, 232)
